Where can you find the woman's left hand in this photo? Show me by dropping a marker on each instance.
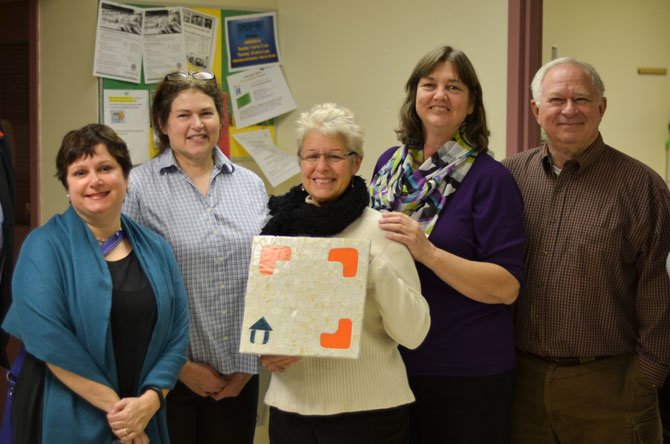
(130, 416)
(401, 228)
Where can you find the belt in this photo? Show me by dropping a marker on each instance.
(565, 362)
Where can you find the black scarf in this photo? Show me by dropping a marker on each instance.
(292, 216)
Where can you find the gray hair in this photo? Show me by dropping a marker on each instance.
(330, 119)
(588, 69)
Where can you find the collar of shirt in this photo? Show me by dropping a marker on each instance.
(583, 160)
(166, 162)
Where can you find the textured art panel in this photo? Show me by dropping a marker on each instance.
(305, 296)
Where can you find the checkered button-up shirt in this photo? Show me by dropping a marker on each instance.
(597, 237)
(211, 238)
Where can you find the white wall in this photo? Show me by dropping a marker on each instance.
(617, 37)
(68, 90)
(360, 53)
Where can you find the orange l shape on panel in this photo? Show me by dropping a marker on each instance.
(349, 259)
(341, 338)
(270, 255)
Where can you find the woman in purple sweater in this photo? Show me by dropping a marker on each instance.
(460, 214)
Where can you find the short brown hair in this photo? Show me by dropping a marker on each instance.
(168, 90)
(82, 142)
(475, 131)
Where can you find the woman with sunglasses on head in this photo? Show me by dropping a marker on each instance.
(208, 209)
(99, 299)
(337, 400)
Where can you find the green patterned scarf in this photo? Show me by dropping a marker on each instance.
(419, 188)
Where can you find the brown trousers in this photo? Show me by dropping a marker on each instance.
(607, 401)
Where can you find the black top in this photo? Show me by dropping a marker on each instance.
(132, 318)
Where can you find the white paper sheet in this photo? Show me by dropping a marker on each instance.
(127, 113)
(258, 95)
(118, 42)
(164, 43)
(200, 32)
(277, 165)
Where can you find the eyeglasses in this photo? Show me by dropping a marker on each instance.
(331, 158)
(181, 75)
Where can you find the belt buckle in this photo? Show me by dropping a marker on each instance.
(566, 362)
(569, 362)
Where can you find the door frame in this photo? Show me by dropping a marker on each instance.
(524, 58)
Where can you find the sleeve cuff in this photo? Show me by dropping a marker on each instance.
(654, 372)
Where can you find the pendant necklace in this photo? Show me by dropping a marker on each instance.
(107, 245)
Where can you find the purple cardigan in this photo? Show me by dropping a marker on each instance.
(483, 221)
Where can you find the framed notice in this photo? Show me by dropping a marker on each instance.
(252, 41)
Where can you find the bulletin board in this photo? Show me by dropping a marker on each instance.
(220, 69)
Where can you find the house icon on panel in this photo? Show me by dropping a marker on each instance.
(260, 325)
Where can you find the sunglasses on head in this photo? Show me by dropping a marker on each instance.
(182, 75)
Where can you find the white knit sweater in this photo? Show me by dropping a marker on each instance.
(395, 313)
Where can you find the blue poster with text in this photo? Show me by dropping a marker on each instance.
(252, 41)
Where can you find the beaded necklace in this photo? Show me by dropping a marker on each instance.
(112, 241)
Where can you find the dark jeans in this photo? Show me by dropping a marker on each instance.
(605, 401)
(193, 419)
(388, 426)
(462, 409)
(664, 407)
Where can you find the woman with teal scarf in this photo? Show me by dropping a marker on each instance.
(100, 300)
